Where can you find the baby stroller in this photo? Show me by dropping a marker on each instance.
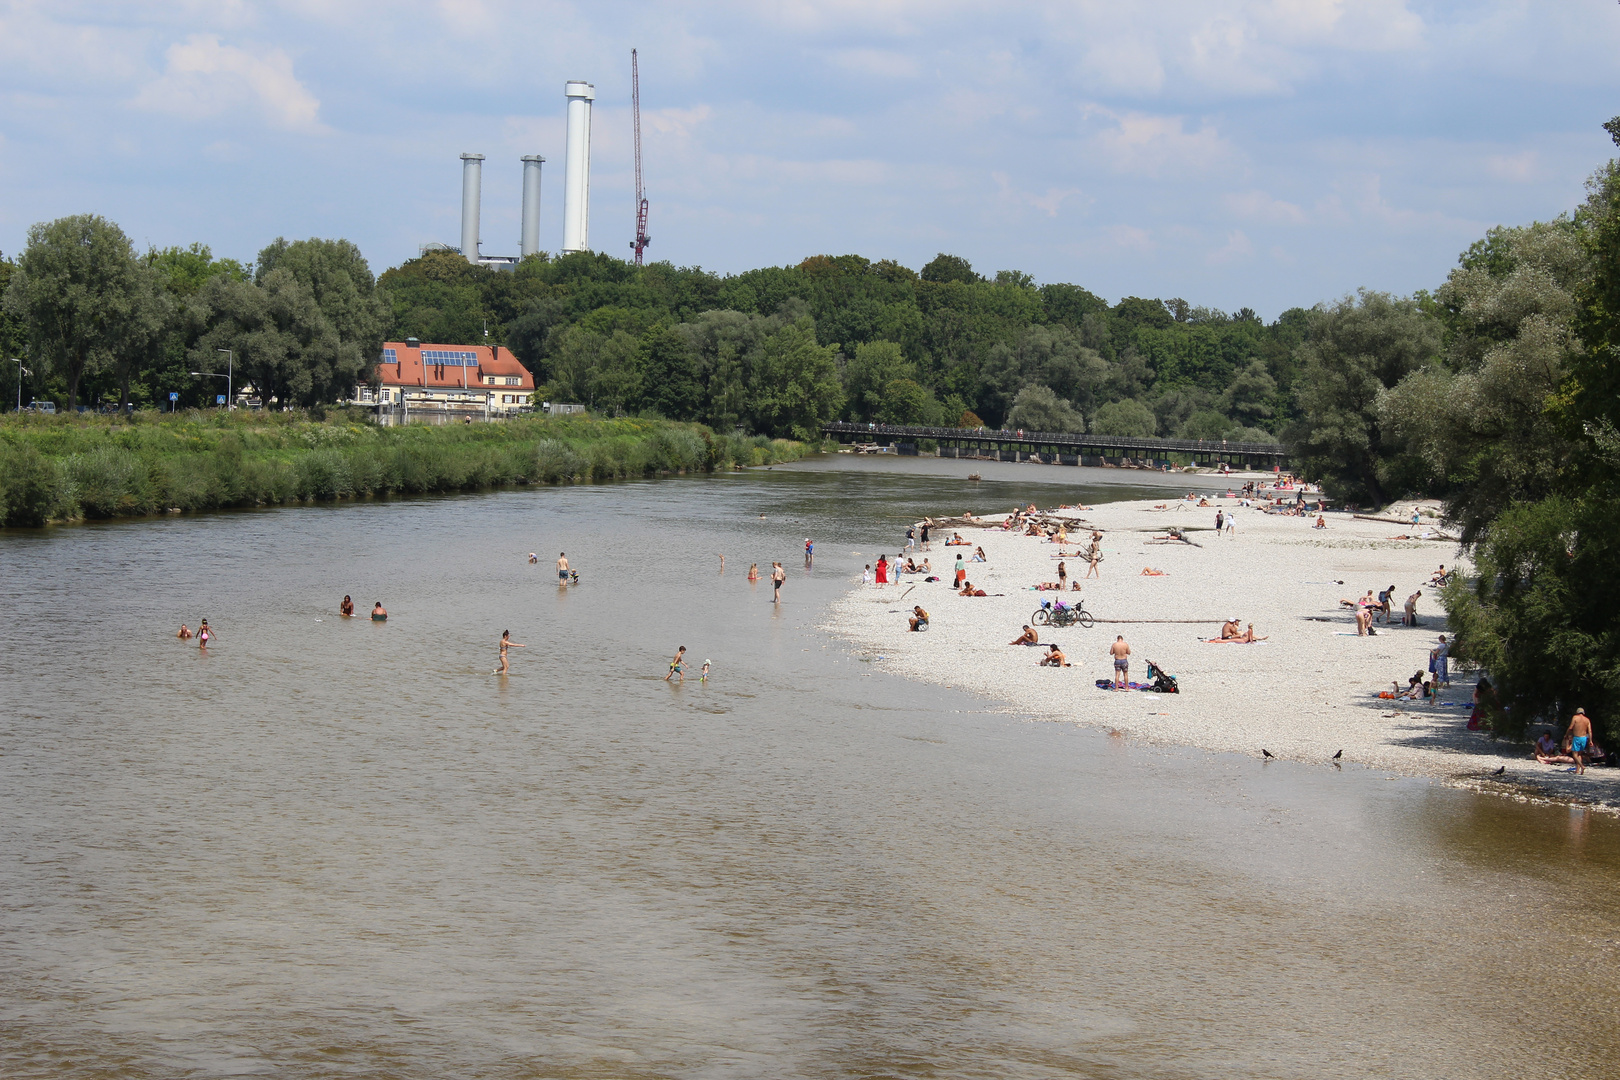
(1163, 681)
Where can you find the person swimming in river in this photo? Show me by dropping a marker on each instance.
(184, 634)
(506, 643)
(753, 571)
(347, 607)
(677, 666)
(378, 612)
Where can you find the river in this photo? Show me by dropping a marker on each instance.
(330, 847)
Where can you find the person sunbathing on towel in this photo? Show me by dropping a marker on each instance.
(969, 590)
(1028, 637)
(1054, 658)
(1249, 637)
(1148, 571)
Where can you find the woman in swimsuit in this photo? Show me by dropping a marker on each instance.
(184, 634)
(347, 607)
(506, 643)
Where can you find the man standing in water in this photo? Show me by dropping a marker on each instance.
(1121, 653)
(778, 575)
(677, 665)
(506, 643)
(562, 568)
(1579, 737)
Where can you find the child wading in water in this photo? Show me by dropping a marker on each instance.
(703, 676)
(676, 667)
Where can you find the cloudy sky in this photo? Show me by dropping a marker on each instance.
(1261, 153)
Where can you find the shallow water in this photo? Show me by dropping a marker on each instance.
(329, 847)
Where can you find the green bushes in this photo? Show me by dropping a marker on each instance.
(62, 468)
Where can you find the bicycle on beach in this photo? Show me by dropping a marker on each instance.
(1062, 613)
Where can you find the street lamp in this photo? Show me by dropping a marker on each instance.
(21, 371)
(230, 382)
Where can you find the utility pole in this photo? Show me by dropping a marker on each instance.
(642, 239)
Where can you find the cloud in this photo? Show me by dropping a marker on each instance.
(1259, 206)
(1151, 145)
(1519, 168)
(203, 78)
(1237, 247)
(1047, 203)
(882, 63)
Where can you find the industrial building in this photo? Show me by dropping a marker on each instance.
(576, 192)
(417, 380)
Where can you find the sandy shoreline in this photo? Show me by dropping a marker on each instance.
(1305, 694)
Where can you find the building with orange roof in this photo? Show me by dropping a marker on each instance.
(482, 380)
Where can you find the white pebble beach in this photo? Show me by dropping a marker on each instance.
(1307, 693)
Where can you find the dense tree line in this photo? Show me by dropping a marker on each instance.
(102, 324)
(780, 349)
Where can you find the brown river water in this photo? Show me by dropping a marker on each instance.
(328, 847)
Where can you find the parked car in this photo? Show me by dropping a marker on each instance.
(47, 407)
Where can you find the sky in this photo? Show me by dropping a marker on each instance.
(1237, 153)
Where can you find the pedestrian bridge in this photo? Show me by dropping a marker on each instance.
(1059, 447)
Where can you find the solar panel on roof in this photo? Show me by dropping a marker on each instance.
(390, 356)
(447, 356)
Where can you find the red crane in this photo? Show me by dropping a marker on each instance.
(642, 239)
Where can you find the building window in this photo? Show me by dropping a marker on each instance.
(390, 356)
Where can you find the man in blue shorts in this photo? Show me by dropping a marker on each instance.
(1579, 736)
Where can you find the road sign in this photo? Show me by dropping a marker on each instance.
(219, 399)
(174, 395)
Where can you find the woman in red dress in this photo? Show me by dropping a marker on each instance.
(883, 570)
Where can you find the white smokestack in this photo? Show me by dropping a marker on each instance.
(472, 178)
(529, 241)
(577, 169)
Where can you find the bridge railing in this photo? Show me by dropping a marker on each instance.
(1051, 438)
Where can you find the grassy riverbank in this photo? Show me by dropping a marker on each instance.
(65, 468)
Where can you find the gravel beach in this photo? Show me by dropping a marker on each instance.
(1307, 693)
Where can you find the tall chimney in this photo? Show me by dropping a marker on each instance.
(529, 241)
(577, 168)
(472, 178)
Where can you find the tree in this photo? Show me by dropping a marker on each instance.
(1038, 408)
(1129, 418)
(1474, 426)
(339, 279)
(1357, 348)
(671, 386)
(152, 316)
(282, 342)
(1248, 397)
(943, 268)
(875, 367)
(906, 402)
(797, 389)
(74, 290)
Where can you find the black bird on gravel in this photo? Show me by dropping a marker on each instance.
(1500, 771)
(1266, 753)
(1339, 755)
